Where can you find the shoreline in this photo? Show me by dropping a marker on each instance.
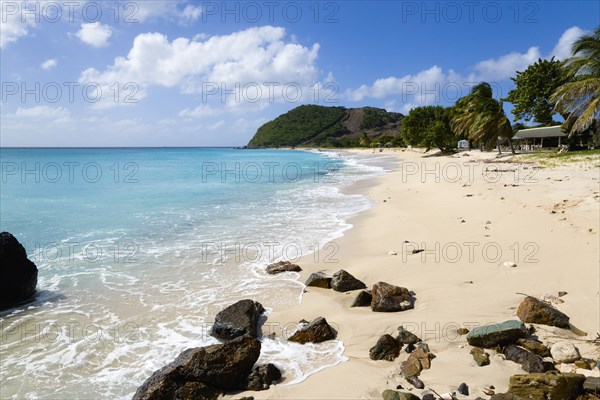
(565, 259)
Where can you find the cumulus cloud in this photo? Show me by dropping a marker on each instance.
(95, 34)
(257, 57)
(180, 11)
(562, 49)
(505, 66)
(56, 114)
(200, 112)
(49, 64)
(14, 24)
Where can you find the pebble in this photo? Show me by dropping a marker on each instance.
(509, 264)
(564, 352)
(416, 382)
(463, 389)
(409, 348)
(392, 253)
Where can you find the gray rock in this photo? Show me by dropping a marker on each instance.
(406, 337)
(534, 311)
(394, 395)
(262, 377)
(534, 346)
(416, 382)
(390, 298)
(463, 389)
(282, 266)
(496, 334)
(240, 318)
(481, 357)
(564, 352)
(592, 384)
(318, 279)
(386, 348)
(203, 373)
(362, 299)
(316, 332)
(529, 362)
(343, 281)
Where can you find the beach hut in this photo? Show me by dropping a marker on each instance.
(534, 137)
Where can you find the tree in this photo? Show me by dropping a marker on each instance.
(481, 118)
(429, 127)
(580, 98)
(534, 87)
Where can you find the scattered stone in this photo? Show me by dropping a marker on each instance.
(247, 398)
(552, 299)
(399, 387)
(534, 311)
(343, 281)
(416, 382)
(429, 396)
(509, 264)
(392, 253)
(240, 318)
(409, 348)
(496, 334)
(564, 352)
(463, 389)
(535, 347)
(386, 348)
(262, 377)
(318, 279)
(549, 385)
(417, 251)
(583, 364)
(203, 372)
(282, 266)
(481, 357)
(362, 299)
(416, 362)
(592, 384)
(423, 346)
(18, 275)
(489, 390)
(406, 337)
(390, 298)
(529, 361)
(316, 332)
(562, 293)
(462, 331)
(394, 395)
(448, 396)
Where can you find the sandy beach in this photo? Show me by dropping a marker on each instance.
(471, 213)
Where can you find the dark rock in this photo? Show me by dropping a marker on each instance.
(318, 279)
(362, 299)
(481, 357)
(424, 346)
(407, 337)
(262, 377)
(390, 298)
(394, 395)
(282, 266)
(18, 275)
(534, 311)
(203, 373)
(592, 384)
(416, 362)
(429, 396)
(529, 362)
(462, 331)
(505, 396)
(238, 319)
(316, 332)
(496, 334)
(549, 385)
(535, 347)
(416, 382)
(343, 281)
(247, 398)
(386, 348)
(409, 348)
(463, 389)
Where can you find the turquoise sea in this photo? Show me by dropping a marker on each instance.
(139, 248)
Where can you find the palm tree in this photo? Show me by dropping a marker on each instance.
(481, 118)
(580, 98)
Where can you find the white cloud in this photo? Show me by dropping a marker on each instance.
(56, 114)
(259, 57)
(180, 11)
(49, 64)
(562, 49)
(505, 66)
(200, 112)
(14, 24)
(95, 34)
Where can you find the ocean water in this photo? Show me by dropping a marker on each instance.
(138, 249)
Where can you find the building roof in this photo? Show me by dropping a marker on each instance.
(547, 131)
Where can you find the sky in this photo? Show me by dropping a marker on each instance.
(208, 73)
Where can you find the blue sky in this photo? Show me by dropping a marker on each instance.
(208, 73)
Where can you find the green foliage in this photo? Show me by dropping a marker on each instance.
(299, 126)
(376, 118)
(534, 87)
(479, 117)
(429, 127)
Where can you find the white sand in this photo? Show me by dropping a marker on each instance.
(553, 252)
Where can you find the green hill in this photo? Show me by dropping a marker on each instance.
(320, 126)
